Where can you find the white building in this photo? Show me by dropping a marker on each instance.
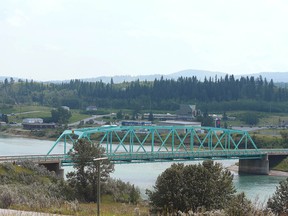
(32, 121)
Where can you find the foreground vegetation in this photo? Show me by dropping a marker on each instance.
(207, 189)
(29, 187)
(32, 188)
(196, 189)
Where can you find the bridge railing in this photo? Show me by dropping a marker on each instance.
(34, 158)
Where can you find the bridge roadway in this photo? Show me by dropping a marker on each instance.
(143, 157)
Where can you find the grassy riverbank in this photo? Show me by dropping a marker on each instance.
(47, 134)
(28, 187)
(282, 166)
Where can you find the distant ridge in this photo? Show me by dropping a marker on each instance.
(278, 77)
(200, 74)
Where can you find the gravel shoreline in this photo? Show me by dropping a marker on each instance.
(234, 168)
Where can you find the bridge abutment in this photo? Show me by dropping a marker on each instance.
(254, 166)
(56, 167)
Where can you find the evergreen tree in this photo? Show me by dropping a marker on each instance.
(150, 117)
(119, 115)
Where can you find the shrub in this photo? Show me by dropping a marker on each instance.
(278, 203)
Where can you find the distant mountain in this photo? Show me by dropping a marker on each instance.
(126, 78)
(278, 77)
(200, 74)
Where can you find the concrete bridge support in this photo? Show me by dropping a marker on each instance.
(254, 166)
(56, 167)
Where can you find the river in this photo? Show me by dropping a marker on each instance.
(256, 187)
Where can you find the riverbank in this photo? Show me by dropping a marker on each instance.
(47, 134)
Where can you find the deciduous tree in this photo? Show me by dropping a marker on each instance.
(278, 203)
(183, 188)
(84, 178)
(61, 115)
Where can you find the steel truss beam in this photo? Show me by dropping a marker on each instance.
(150, 143)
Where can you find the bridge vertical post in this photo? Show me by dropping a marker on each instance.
(152, 131)
(173, 140)
(65, 145)
(210, 140)
(246, 141)
(131, 145)
(110, 140)
(192, 139)
(229, 140)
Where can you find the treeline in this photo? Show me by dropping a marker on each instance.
(215, 94)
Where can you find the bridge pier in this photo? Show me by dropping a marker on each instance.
(56, 167)
(254, 166)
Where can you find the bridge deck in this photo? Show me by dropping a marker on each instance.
(153, 157)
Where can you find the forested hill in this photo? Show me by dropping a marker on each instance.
(226, 93)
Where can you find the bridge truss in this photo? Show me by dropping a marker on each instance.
(127, 144)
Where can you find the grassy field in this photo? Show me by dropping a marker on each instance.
(18, 113)
(265, 119)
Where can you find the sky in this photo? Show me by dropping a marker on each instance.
(72, 39)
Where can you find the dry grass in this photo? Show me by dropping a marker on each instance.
(87, 209)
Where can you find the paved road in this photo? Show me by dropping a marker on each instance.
(247, 128)
(94, 117)
(9, 212)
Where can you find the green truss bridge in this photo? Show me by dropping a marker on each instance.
(142, 144)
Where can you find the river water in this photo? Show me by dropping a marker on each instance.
(257, 187)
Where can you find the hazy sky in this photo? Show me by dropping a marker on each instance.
(69, 39)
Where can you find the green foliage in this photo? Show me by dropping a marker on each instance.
(121, 191)
(206, 120)
(4, 118)
(119, 115)
(278, 203)
(250, 118)
(60, 115)
(31, 185)
(150, 117)
(264, 141)
(84, 178)
(239, 205)
(227, 93)
(284, 136)
(183, 188)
